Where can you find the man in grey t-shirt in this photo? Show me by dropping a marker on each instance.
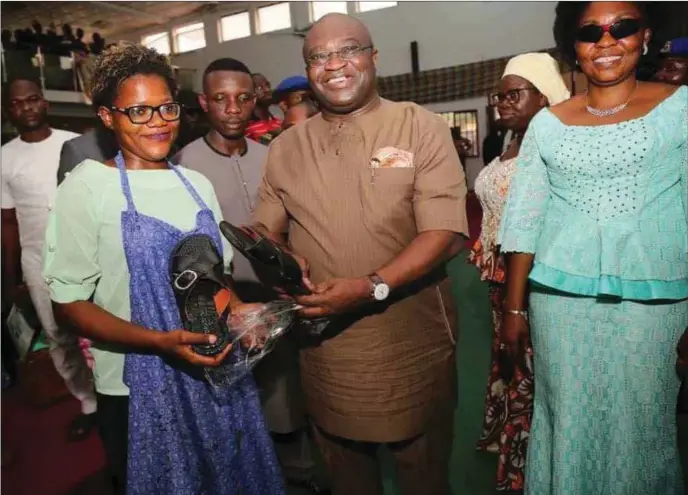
(234, 165)
(235, 177)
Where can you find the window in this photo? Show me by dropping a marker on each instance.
(368, 6)
(465, 125)
(319, 9)
(189, 37)
(160, 42)
(235, 26)
(273, 17)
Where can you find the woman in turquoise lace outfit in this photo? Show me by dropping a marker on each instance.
(597, 221)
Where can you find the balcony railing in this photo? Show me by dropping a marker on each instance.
(63, 73)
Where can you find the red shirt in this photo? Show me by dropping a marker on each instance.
(258, 128)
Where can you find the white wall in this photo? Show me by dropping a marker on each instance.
(448, 33)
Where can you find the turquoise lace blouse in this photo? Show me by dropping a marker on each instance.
(604, 208)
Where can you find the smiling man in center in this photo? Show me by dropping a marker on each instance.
(370, 197)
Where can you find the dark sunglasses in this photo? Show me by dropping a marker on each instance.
(592, 33)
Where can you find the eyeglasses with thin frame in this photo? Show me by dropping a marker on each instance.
(142, 114)
(512, 96)
(346, 53)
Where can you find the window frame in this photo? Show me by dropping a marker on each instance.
(175, 43)
(257, 18)
(250, 26)
(364, 11)
(476, 150)
(311, 12)
(159, 33)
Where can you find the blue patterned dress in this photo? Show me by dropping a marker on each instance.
(604, 209)
(184, 439)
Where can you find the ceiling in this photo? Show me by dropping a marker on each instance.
(108, 18)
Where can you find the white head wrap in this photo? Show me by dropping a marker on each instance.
(543, 72)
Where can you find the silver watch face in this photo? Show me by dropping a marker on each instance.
(381, 292)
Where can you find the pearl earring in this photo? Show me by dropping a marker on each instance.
(645, 49)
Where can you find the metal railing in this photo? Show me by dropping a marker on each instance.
(63, 73)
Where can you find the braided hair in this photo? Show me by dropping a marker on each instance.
(120, 62)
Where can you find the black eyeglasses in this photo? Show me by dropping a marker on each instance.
(512, 96)
(142, 114)
(592, 33)
(346, 53)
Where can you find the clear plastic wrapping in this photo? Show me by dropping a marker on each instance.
(253, 334)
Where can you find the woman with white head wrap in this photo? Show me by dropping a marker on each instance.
(530, 82)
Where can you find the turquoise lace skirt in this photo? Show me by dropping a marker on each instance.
(604, 420)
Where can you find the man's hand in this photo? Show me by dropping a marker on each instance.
(305, 270)
(335, 296)
(305, 278)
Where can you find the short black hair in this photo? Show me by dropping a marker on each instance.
(568, 16)
(225, 64)
(7, 87)
(122, 61)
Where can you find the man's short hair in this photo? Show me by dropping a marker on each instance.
(226, 64)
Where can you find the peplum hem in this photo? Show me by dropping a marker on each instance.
(609, 285)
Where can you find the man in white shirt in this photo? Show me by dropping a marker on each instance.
(29, 185)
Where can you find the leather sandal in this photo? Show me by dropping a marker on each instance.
(198, 281)
(282, 267)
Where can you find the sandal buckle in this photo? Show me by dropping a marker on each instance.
(193, 278)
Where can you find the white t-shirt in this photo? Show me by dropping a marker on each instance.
(29, 185)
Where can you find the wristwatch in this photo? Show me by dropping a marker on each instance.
(379, 290)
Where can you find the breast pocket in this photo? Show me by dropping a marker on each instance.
(387, 199)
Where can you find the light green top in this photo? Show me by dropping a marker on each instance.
(84, 253)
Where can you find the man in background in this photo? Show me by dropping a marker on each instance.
(263, 126)
(192, 125)
(493, 144)
(97, 144)
(29, 186)
(291, 91)
(674, 62)
(300, 112)
(234, 165)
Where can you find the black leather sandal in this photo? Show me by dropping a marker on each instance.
(198, 281)
(282, 268)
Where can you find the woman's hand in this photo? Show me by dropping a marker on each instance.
(514, 334)
(177, 343)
